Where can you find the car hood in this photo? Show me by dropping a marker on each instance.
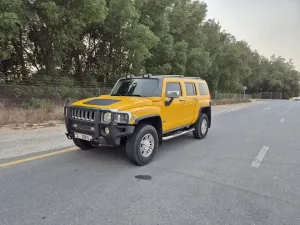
(114, 102)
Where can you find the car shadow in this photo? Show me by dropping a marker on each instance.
(118, 154)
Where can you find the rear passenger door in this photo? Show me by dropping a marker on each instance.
(191, 100)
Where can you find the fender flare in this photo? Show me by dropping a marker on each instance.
(206, 108)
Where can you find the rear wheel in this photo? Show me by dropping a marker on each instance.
(201, 127)
(142, 146)
(82, 144)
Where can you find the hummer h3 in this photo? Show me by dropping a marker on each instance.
(140, 113)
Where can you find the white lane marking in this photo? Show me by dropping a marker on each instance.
(216, 113)
(260, 156)
(282, 120)
(267, 108)
(229, 110)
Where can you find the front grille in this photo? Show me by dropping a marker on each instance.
(83, 114)
(83, 127)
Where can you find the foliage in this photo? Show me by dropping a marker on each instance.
(95, 41)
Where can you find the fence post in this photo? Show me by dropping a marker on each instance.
(56, 92)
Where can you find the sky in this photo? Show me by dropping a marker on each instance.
(269, 26)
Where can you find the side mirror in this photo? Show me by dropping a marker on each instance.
(172, 94)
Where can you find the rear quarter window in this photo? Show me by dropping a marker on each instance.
(203, 88)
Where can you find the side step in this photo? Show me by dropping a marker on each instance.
(178, 134)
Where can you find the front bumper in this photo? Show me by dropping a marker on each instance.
(90, 124)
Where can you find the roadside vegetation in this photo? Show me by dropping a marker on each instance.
(51, 115)
(22, 117)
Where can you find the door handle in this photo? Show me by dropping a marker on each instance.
(182, 100)
(196, 99)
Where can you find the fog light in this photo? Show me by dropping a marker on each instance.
(74, 125)
(106, 130)
(92, 128)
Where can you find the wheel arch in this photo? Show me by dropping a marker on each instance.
(154, 120)
(206, 110)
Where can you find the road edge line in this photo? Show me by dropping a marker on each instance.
(37, 157)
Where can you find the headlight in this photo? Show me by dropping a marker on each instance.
(121, 118)
(106, 117)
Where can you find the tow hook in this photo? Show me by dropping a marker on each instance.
(69, 136)
(95, 143)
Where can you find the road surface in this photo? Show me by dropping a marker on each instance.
(247, 171)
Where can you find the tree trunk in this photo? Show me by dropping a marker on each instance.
(19, 49)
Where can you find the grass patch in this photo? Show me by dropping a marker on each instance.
(30, 116)
(229, 102)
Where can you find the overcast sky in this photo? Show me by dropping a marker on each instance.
(270, 26)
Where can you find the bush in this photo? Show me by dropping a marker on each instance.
(38, 103)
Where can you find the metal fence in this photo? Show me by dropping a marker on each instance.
(35, 96)
(261, 95)
(230, 96)
(20, 95)
(268, 95)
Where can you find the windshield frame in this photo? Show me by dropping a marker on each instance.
(159, 94)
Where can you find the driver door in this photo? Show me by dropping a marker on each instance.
(173, 109)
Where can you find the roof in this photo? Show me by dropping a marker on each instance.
(164, 76)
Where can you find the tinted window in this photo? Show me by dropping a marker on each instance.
(173, 87)
(190, 89)
(137, 87)
(203, 89)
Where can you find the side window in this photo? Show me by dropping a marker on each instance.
(203, 88)
(172, 86)
(190, 89)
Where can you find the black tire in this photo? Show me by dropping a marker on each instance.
(123, 141)
(82, 144)
(133, 144)
(198, 134)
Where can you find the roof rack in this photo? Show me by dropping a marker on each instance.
(129, 76)
(175, 75)
(169, 75)
(199, 78)
(166, 76)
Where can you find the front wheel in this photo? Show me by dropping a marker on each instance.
(201, 127)
(82, 144)
(142, 146)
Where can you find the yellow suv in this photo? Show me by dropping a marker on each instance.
(140, 113)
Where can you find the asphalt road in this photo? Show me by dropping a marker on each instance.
(247, 171)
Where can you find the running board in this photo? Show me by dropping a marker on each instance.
(177, 135)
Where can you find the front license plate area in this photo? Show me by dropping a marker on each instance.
(83, 136)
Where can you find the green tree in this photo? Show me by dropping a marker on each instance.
(96, 41)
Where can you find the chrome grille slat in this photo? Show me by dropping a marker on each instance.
(83, 114)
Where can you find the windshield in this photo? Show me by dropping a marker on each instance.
(136, 87)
